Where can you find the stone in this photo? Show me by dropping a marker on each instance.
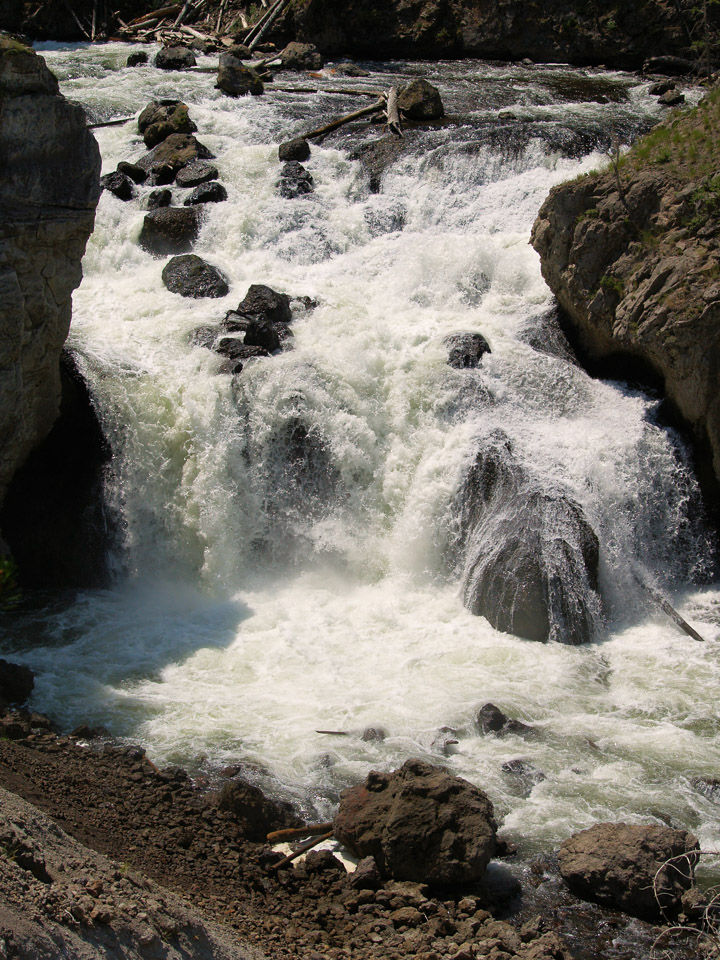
(191, 276)
(490, 719)
(420, 824)
(196, 173)
(256, 814)
(420, 100)
(301, 56)
(240, 51)
(262, 333)
(466, 350)
(159, 198)
(161, 118)
(175, 58)
(132, 170)
(137, 58)
(366, 875)
(212, 192)
(295, 181)
(671, 98)
(234, 349)
(674, 66)
(628, 867)
(175, 152)
(170, 230)
(263, 301)
(297, 149)
(16, 682)
(118, 185)
(661, 87)
(523, 774)
(322, 861)
(236, 79)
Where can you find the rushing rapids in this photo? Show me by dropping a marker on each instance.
(299, 549)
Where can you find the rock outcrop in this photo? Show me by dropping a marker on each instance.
(48, 193)
(633, 257)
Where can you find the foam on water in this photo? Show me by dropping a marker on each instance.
(250, 614)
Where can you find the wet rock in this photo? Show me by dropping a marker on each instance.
(530, 556)
(672, 98)
(262, 333)
(262, 301)
(420, 100)
(190, 276)
(170, 230)
(132, 170)
(174, 153)
(16, 682)
(175, 58)
(295, 181)
(301, 56)
(627, 867)
(205, 336)
(297, 149)
(212, 192)
(137, 58)
(348, 69)
(708, 786)
(366, 875)
(661, 87)
(524, 775)
(235, 349)
(118, 185)
(256, 813)
(236, 79)
(419, 823)
(373, 735)
(465, 350)
(159, 198)
(161, 118)
(674, 66)
(240, 51)
(196, 173)
(491, 719)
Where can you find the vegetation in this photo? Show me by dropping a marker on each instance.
(9, 590)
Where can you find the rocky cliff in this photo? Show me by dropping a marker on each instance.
(48, 194)
(633, 256)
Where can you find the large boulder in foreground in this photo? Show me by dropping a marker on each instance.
(174, 153)
(190, 276)
(643, 870)
(420, 100)
(420, 824)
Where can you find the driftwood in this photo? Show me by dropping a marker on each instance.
(334, 733)
(251, 34)
(303, 848)
(221, 14)
(295, 833)
(393, 113)
(181, 16)
(170, 11)
(109, 123)
(272, 16)
(341, 91)
(341, 121)
(667, 608)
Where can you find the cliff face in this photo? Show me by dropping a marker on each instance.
(633, 256)
(48, 193)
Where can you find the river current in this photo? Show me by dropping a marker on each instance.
(248, 613)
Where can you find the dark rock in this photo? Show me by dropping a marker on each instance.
(174, 153)
(524, 774)
(351, 70)
(240, 51)
(420, 100)
(212, 192)
(118, 185)
(190, 276)
(162, 118)
(205, 336)
(235, 322)
(301, 56)
(159, 198)
(531, 557)
(419, 823)
(295, 181)
(491, 719)
(256, 813)
(132, 170)
(373, 735)
(137, 58)
(175, 58)
(262, 333)
(322, 861)
(672, 98)
(297, 149)
(195, 173)
(627, 867)
(84, 732)
(674, 66)
(465, 350)
(16, 682)
(234, 349)
(661, 87)
(263, 302)
(170, 230)
(237, 79)
(366, 875)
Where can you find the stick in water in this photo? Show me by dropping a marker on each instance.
(669, 610)
(303, 848)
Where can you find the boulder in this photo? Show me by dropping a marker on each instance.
(16, 682)
(137, 58)
(240, 51)
(132, 170)
(159, 198)
(262, 333)
(213, 192)
(263, 302)
(196, 173)
(175, 58)
(420, 100)
(191, 276)
(256, 814)
(295, 181)
(491, 719)
(419, 823)
(301, 56)
(174, 153)
(661, 87)
(297, 149)
(366, 875)
(160, 118)
(118, 185)
(523, 775)
(530, 556)
(236, 79)
(674, 66)
(465, 350)
(643, 870)
(170, 230)
(671, 98)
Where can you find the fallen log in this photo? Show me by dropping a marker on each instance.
(341, 121)
(334, 733)
(183, 13)
(295, 833)
(221, 14)
(341, 91)
(272, 17)
(170, 11)
(109, 123)
(393, 113)
(260, 23)
(303, 848)
(667, 608)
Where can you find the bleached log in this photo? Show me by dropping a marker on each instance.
(170, 11)
(393, 113)
(303, 848)
(272, 17)
(341, 91)
(668, 609)
(183, 13)
(341, 121)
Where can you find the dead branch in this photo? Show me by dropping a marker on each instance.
(260, 23)
(393, 113)
(272, 17)
(221, 14)
(76, 19)
(303, 848)
(341, 121)
(341, 91)
(170, 11)
(181, 16)
(109, 123)
(295, 833)
(668, 609)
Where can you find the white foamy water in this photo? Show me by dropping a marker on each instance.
(255, 607)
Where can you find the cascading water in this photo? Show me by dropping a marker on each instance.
(291, 555)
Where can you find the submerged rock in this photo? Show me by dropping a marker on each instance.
(643, 870)
(191, 276)
(465, 350)
(420, 824)
(137, 58)
(295, 181)
(491, 719)
(159, 198)
(170, 230)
